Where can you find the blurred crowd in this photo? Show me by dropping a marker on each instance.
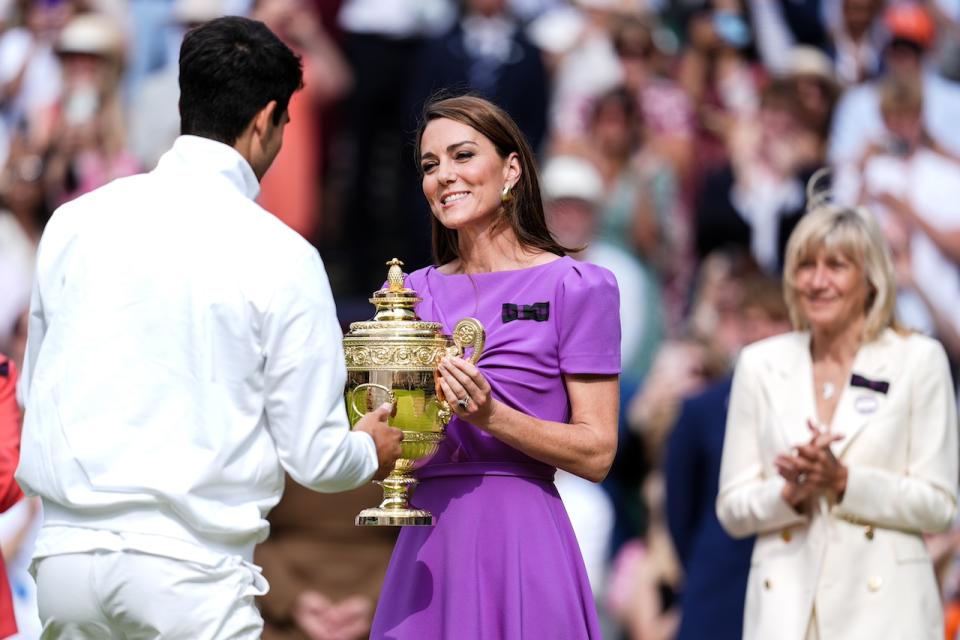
(680, 141)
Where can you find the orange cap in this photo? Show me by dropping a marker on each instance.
(910, 22)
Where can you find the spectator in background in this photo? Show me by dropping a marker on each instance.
(9, 490)
(15, 285)
(573, 193)
(24, 210)
(636, 214)
(947, 17)
(639, 186)
(782, 26)
(324, 573)
(666, 113)
(917, 309)
(715, 565)
(292, 190)
(89, 142)
(841, 445)
(714, 317)
(722, 81)
(487, 53)
(858, 121)
(23, 214)
(667, 125)
(645, 576)
(584, 65)
(154, 116)
(369, 157)
(638, 210)
(30, 75)
(857, 39)
(682, 367)
(148, 49)
(701, 355)
(756, 199)
(810, 77)
(908, 176)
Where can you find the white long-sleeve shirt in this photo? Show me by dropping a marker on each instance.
(183, 351)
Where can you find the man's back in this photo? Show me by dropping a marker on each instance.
(170, 312)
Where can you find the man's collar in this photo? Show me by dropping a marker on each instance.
(207, 155)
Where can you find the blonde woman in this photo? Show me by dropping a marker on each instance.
(840, 449)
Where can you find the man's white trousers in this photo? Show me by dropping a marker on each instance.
(131, 595)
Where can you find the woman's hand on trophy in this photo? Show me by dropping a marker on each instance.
(386, 438)
(467, 390)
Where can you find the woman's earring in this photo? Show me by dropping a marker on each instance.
(505, 195)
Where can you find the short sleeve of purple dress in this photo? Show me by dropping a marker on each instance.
(501, 560)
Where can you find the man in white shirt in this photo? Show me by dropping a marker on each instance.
(183, 353)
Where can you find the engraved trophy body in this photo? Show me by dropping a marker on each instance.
(393, 358)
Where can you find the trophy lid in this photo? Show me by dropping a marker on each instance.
(395, 310)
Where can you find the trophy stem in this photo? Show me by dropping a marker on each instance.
(395, 510)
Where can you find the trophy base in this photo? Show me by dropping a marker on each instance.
(379, 517)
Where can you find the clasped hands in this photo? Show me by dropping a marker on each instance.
(812, 471)
(320, 618)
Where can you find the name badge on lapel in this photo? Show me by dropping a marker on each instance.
(538, 312)
(866, 404)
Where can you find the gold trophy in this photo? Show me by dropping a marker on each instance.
(393, 358)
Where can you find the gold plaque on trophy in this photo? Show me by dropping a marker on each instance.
(393, 358)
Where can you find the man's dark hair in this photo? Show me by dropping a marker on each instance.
(230, 68)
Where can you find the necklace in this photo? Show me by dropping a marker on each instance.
(828, 390)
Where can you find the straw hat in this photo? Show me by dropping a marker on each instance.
(91, 33)
(571, 177)
(197, 11)
(810, 61)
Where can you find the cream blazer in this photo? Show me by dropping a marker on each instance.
(862, 562)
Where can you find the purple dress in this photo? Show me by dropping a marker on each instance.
(501, 561)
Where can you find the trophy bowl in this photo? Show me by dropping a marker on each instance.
(393, 358)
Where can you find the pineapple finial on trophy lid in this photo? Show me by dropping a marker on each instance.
(395, 301)
(395, 275)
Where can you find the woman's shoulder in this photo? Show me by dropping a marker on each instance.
(580, 275)
(915, 345)
(776, 349)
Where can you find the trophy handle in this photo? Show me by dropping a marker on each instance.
(353, 399)
(469, 333)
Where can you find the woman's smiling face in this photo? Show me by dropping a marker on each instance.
(463, 174)
(832, 289)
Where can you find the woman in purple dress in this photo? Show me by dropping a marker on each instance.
(501, 561)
